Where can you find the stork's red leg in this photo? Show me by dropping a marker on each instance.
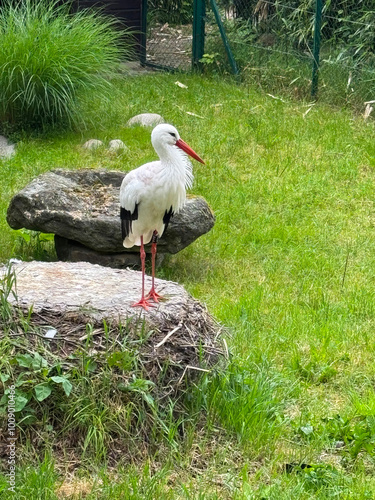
(143, 302)
(152, 294)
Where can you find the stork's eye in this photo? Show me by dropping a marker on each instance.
(173, 134)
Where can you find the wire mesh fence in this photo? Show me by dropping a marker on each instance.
(259, 36)
(348, 51)
(274, 42)
(169, 33)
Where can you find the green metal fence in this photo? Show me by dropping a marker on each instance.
(308, 44)
(175, 41)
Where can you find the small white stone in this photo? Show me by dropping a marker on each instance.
(116, 145)
(50, 333)
(7, 151)
(93, 144)
(3, 141)
(146, 120)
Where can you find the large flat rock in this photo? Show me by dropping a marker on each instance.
(66, 296)
(99, 292)
(83, 206)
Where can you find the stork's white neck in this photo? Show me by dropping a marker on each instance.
(173, 158)
(168, 153)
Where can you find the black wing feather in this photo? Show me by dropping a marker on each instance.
(127, 218)
(167, 218)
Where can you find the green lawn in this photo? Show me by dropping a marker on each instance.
(289, 269)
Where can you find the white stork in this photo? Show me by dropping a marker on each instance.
(152, 193)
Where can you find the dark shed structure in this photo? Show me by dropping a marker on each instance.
(129, 12)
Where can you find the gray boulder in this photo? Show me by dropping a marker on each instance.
(82, 208)
(146, 120)
(93, 144)
(6, 148)
(116, 145)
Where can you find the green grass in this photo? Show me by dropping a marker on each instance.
(288, 268)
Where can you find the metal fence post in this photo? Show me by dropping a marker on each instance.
(198, 32)
(228, 50)
(316, 48)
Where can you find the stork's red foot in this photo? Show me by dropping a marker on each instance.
(143, 303)
(153, 295)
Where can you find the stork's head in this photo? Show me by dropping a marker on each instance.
(165, 135)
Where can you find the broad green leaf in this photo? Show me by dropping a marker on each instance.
(25, 360)
(39, 362)
(66, 385)
(42, 391)
(4, 377)
(20, 402)
(58, 380)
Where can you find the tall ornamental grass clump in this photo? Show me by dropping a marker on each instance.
(50, 57)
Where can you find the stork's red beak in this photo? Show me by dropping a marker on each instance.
(185, 147)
